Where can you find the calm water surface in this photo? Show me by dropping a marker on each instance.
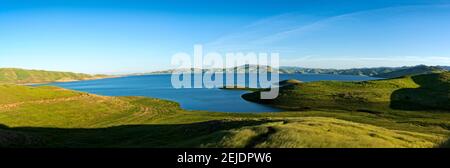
(159, 86)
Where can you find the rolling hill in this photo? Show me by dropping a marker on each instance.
(23, 76)
(382, 113)
(419, 92)
(417, 70)
(47, 116)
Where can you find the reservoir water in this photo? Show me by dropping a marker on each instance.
(159, 86)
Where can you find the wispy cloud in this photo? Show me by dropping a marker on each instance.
(286, 34)
(244, 38)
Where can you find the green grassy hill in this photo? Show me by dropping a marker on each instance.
(22, 76)
(323, 132)
(420, 92)
(53, 117)
(416, 70)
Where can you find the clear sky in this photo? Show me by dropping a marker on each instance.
(111, 36)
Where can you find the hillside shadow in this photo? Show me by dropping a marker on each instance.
(152, 136)
(446, 144)
(433, 94)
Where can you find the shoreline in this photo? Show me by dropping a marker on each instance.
(65, 81)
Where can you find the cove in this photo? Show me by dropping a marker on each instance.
(214, 100)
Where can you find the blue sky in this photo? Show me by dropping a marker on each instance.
(138, 36)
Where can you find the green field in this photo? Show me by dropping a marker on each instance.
(48, 116)
(428, 92)
(23, 76)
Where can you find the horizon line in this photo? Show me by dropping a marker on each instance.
(141, 72)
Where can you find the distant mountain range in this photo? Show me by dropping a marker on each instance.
(445, 67)
(381, 72)
(23, 76)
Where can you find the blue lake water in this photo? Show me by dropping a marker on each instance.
(159, 86)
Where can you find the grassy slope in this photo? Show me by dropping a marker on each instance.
(421, 92)
(22, 76)
(323, 132)
(54, 117)
(416, 70)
